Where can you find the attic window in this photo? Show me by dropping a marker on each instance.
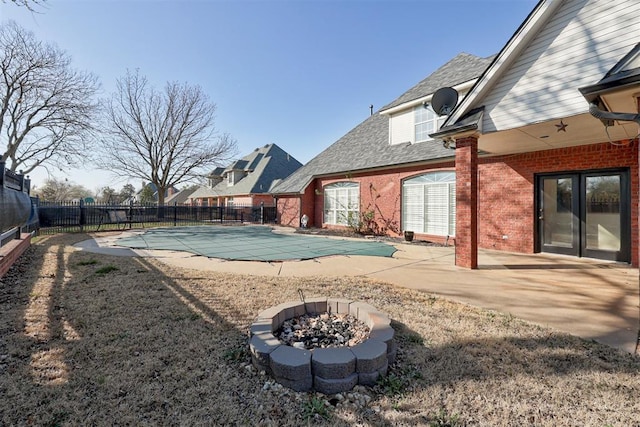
(426, 121)
(230, 178)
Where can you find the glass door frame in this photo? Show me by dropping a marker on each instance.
(574, 249)
(579, 207)
(624, 254)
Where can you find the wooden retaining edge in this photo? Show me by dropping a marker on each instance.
(10, 252)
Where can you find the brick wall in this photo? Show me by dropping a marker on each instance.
(267, 199)
(380, 194)
(507, 197)
(288, 208)
(506, 193)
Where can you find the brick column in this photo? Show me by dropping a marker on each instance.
(467, 202)
(637, 243)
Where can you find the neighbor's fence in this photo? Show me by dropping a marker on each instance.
(17, 182)
(70, 216)
(14, 181)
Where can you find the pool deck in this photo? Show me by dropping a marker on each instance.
(589, 298)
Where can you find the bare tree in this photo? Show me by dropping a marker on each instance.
(164, 137)
(46, 107)
(57, 190)
(29, 4)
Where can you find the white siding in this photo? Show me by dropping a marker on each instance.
(401, 129)
(578, 45)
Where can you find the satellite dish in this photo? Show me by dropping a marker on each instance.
(444, 100)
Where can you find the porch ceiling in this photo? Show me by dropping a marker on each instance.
(582, 129)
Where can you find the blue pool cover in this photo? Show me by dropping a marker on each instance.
(250, 243)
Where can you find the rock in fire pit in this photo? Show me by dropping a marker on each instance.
(324, 330)
(326, 364)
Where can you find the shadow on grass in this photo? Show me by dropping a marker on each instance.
(91, 339)
(135, 345)
(506, 381)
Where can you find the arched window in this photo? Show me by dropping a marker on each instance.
(429, 204)
(341, 203)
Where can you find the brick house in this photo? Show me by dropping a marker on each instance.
(248, 181)
(533, 170)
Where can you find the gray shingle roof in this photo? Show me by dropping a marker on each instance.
(462, 68)
(180, 197)
(367, 145)
(262, 168)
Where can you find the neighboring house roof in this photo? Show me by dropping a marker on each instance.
(217, 172)
(203, 192)
(261, 169)
(367, 145)
(155, 191)
(181, 196)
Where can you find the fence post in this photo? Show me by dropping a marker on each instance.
(82, 215)
(130, 216)
(221, 213)
(2, 169)
(21, 178)
(175, 213)
(261, 212)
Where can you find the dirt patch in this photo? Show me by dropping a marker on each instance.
(89, 339)
(352, 234)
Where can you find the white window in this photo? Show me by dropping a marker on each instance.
(342, 203)
(429, 204)
(230, 176)
(426, 121)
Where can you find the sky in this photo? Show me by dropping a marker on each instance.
(297, 73)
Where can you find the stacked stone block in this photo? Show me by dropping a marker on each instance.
(327, 370)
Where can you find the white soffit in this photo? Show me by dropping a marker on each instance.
(582, 129)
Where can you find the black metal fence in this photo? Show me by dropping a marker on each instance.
(70, 216)
(12, 180)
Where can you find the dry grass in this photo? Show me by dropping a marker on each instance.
(87, 339)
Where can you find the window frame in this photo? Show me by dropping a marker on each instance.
(434, 218)
(423, 115)
(335, 212)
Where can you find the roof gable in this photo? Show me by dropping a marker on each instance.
(560, 47)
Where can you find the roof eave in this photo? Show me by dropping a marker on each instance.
(606, 86)
(450, 131)
(470, 123)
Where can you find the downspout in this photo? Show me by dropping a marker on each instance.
(607, 117)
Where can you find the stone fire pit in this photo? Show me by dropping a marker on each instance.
(327, 370)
